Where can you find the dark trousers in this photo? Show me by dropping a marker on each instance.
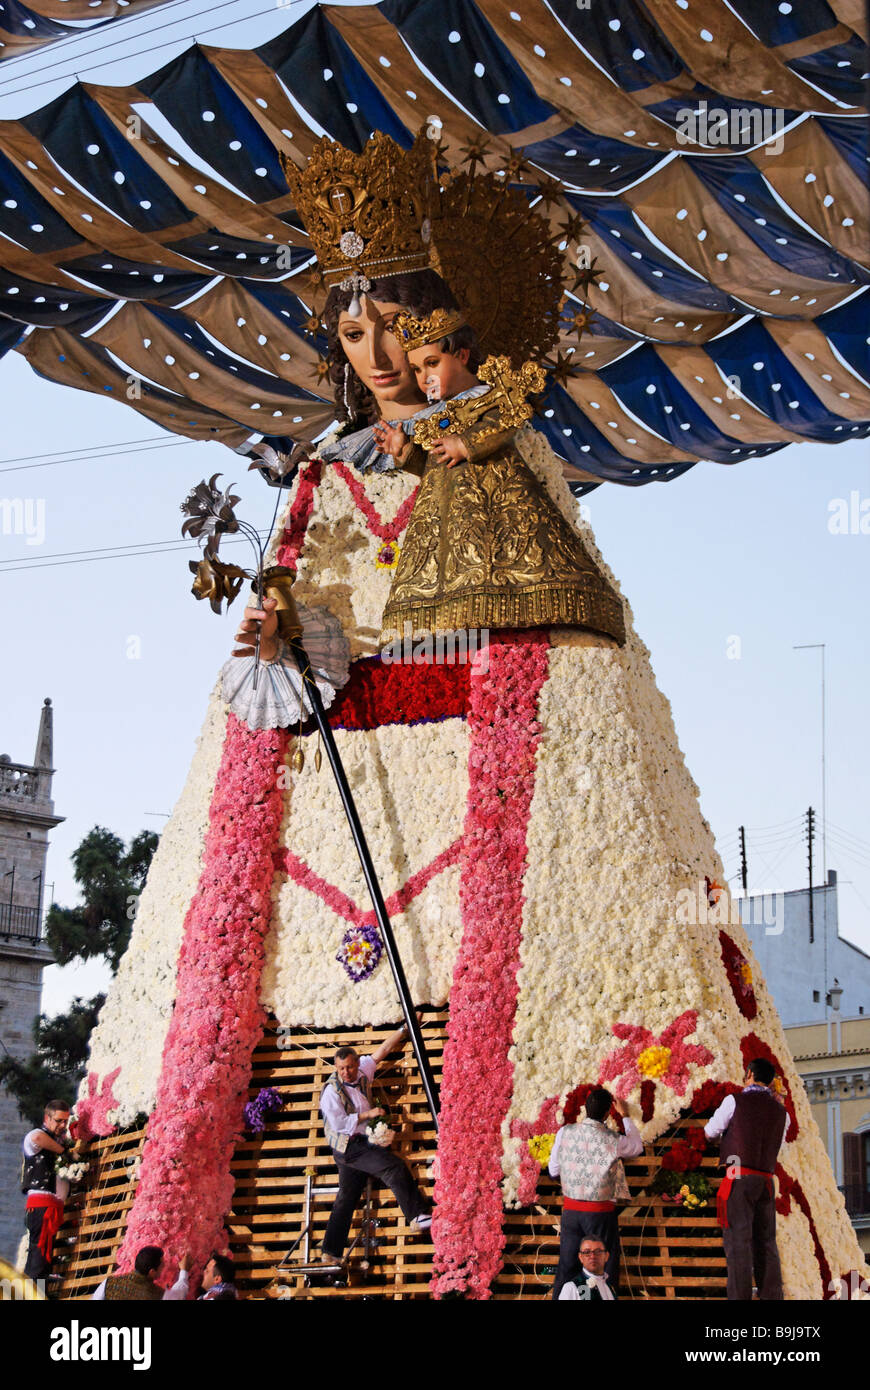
(576, 1226)
(359, 1161)
(36, 1265)
(750, 1241)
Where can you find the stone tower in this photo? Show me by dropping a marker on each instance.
(26, 816)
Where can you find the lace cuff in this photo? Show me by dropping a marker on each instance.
(280, 700)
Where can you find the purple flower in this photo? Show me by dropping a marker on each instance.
(256, 1110)
(361, 950)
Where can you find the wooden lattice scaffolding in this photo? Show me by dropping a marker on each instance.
(668, 1252)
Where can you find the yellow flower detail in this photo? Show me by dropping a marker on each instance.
(541, 1146)
(746, 974)
(388, 556)
(654, 1061)
(685, 1189)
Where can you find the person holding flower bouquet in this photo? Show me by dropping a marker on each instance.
(360, 1143)
(46, 1189)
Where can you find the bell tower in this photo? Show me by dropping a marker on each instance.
(26, 817)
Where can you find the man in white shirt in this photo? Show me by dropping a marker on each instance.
(587, 1158)
(750, 1127)
(346, 1107)
(590, 1285)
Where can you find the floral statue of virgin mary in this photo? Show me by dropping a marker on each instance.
(534, 827)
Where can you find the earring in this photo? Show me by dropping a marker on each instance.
(346, 384)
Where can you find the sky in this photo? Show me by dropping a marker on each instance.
(727, 571)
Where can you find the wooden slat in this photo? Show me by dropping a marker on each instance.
(667, 1252)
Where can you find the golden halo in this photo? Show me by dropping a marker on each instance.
(500, 260)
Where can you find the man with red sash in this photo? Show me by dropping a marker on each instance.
(44, 1209)
(750, 1128)
(587, 1158)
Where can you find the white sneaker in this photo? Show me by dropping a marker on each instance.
(422, 1223)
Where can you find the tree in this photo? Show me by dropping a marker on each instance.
(110, 876)
(55, 1069)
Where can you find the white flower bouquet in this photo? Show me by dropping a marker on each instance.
(72, 1171)
(380, 1133)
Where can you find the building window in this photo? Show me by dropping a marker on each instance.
(856, 1173)
(816, 996)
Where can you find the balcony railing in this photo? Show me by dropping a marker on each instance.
(20, 781)
(19, 921)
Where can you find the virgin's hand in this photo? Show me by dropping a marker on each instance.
(266, 620)
(388, 439)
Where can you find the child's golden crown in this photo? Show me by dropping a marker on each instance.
(414, 333)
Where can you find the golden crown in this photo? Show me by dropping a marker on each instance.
(365, 212)
(387, 211)
(414, 333)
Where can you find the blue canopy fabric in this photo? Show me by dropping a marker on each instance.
(720, 173)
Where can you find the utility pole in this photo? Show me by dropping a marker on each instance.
(810, 834)
(744, 875)
(820, 647)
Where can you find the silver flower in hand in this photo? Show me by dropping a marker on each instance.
(210, 513)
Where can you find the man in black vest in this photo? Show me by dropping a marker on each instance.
(346, 1107)
(44, 1209)
(750, 1127)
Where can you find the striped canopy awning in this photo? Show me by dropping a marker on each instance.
(149, 248)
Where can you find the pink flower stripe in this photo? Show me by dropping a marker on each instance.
(290, 548)
(384, 530)
(345, 907)
(185, 1188)
(530, 1168)
(93, 1111)
(478, 1076)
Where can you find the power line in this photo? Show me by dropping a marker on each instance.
(838, 829)
(152, 48)
(117, 43)
(760, 829)
(81, 34)
(99, 550)
(862, 860)
(121, 553)
(86, 454)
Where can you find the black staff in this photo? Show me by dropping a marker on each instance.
(368, 868)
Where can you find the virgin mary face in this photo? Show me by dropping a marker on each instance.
(375, 355)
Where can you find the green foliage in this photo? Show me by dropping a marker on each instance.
(55, 1069)
(110, 877)
(32, 1085)
(62, 1041)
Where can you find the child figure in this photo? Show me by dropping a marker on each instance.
(486, 547)
(442, 373)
